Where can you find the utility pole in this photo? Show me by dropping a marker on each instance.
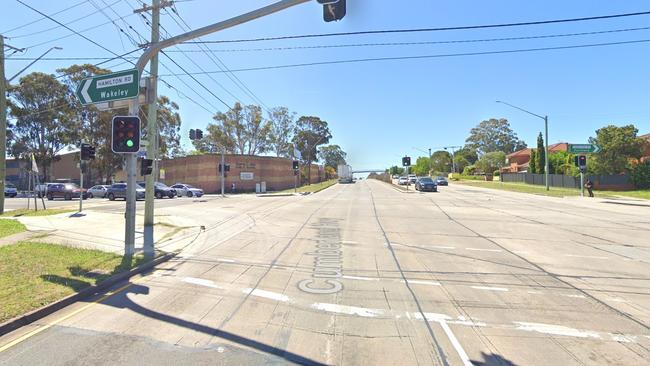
(3, 124)
(81, 183)
(429, 161)
(546, 155)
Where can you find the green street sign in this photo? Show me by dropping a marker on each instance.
(109, 87)
(583, 148)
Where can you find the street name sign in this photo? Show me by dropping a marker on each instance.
(109, 87)
(583, 148)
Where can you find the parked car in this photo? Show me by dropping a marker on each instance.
(161, 190)
(441, 181)
(402, 181)
(413, 178)
(41, 189)
(10, 190)
(98, 191)
(118, 190)
(187, 190)
(426, 184)
(67, 191)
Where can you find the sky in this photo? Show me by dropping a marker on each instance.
(377, 111)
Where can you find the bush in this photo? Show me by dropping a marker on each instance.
(497, 173)
(641, 175)
(469, 170)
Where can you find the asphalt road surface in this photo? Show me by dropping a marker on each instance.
(362, 274)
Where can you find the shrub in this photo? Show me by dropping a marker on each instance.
(497, 173)
(641, 175)
(469, 170)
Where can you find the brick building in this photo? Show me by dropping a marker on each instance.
(518, 161)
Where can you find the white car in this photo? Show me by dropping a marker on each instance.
(413, 178)
(98, 191)
(402, 181)
(10, 190)
(187, 190)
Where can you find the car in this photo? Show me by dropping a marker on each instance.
(426, 184)
(10, 190)
(161, 190)
(41, 189)
(413, 178)
(67, 191)
(395, 176)
(441, 181)
(402, 181)
(187, 190)
(98, 191)
(118, 190)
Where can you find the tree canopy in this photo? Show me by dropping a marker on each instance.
(332, 155)
(618, 145)
(494, 135)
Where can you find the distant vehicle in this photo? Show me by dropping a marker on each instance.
(118, 190)
(395, 176)
(413, 178)
(98, 191)
(441, 181)
(402, 181)
(67, 191)
(41, 189)
(187, 190)
(161, 190)
(426, 184)
(10, 190)
(345, 173)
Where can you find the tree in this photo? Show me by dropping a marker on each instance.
(641, 175)
(491, 161)
(421, 166)
(494, 135)
(541, 154)
(169, 128)
(441, 161)
(468, 154)
(92, 126)
(282, 123)
(396, 170)
(532, 163)
(309, 133)
(241, 130)
(618, 145)
(44, 124)
(332, 155)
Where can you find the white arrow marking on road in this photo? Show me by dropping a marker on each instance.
(84, 91)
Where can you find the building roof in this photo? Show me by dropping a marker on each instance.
(560, 146)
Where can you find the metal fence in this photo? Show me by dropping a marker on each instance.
(567, 181)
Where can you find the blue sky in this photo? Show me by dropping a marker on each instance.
(379, 111)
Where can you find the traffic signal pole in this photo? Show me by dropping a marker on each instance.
(3, 123)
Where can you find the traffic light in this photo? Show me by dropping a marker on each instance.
(199, 134)
(192, 134)
(227, 168)
(87, 152)
(126, 134)
(146, 167)
(333, 9)
(406, 161)
(296, 165)
(582, 162)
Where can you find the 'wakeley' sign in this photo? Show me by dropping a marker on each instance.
(109, 87)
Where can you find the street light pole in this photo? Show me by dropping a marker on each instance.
(545, 118)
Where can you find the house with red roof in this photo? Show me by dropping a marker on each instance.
(518, 161)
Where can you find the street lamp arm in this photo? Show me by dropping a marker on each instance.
(33, 62)
(521, 109)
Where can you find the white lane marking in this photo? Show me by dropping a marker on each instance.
(576, 296)
(432, 317)
(616, 299)
(267, 294)
(347, 309)
(442, 247)
(420, 282)
(360, 278)
(225, 260)
(201, 282)
(454, 342)
(534, 292)
(585, 256)
(484, 250)
(488, 288)
(624, 338)
(556, 330)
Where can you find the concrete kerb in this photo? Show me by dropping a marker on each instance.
(46, 310)
(397, 188)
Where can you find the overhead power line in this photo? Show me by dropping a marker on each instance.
(420, 43)
(438, 29)
(361, 60)
(41, 18)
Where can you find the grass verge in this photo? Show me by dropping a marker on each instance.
(36, 274)
(554, 191)
(316, 187)
(10, 227)
(26, 212)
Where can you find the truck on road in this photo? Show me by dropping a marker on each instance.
(345, 173)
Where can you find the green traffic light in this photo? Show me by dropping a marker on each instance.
(129, 143)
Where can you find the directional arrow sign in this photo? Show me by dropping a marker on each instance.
(109, 87)
(583, 148)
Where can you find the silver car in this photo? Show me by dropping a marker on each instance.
(98, 191)
(187, 190)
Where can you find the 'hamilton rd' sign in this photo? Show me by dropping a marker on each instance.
(109, 87)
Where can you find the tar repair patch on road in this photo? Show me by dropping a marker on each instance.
(328, 258)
